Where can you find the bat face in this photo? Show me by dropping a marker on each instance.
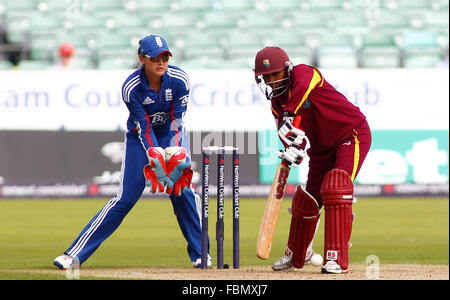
(271, 212)
(281, 183)
(273, 205)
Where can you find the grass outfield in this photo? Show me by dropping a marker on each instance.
(33, 232)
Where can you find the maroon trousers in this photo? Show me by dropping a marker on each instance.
(348, 156)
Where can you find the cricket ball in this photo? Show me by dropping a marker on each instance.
(316, 260)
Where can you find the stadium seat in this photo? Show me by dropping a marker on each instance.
(421, 49)
(380, 58)
(196, 6)
(337, 51)
(442, 5)
(380, 39)
(155, 6)
(339, 57)
(45, 22)
(284, 38)
(281, 6)
(78, 39)
(178, 22)
(379, 50)
(43, 46)
(219, 21)
(243, 42)
(254, 21)
(17, 29)
(114, 43)
(234, 5)
(104, 5)
(207, 43)
(351, 22)
(56, 6)
(20, 5)
(87, 23)
(337, 40)
(419, 39)
(436, 20)
(292, 42)
(125, 21)
(393, 21)
(117, 63)
(201, 63)
(326, 5)
(309, 22)
(425, 59)
(409, 5)
(308, 30)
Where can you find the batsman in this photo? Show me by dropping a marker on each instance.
(339, 140)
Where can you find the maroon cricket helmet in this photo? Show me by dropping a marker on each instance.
(271, 60)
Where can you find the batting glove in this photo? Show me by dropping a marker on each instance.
(289, 134)
(156, 171)
(293, 155)
(178, 169)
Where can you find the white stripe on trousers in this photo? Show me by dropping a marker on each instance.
(76, 249)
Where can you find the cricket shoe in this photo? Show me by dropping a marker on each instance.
(331, 267)
(285, 263)
(65, 262)
(198, 262)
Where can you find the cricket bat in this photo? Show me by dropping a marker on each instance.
(273, 205)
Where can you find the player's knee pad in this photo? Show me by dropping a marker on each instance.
(337, 195)
(305, 214)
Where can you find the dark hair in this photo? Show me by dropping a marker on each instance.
(140, 48)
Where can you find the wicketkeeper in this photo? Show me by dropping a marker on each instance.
(157, 154)
(339, 138)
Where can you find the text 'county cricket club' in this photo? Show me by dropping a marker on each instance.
(281, 184)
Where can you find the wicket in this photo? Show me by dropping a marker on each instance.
(220, 204)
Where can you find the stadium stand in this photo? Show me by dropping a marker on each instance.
(227, 33)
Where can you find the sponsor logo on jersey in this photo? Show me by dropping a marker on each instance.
(169, 95)
(184, 100)
(159, 118)
(148, 100)
(307, 103)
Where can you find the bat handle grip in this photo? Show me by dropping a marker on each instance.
(297, 121)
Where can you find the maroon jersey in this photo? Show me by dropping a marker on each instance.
(327, 116)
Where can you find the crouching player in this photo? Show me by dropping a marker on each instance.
(339, 138)
(156, 154)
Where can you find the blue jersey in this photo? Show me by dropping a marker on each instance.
(157, 117)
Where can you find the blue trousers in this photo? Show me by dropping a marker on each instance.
(107, 220)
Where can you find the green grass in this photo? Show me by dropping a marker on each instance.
(33, 232)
